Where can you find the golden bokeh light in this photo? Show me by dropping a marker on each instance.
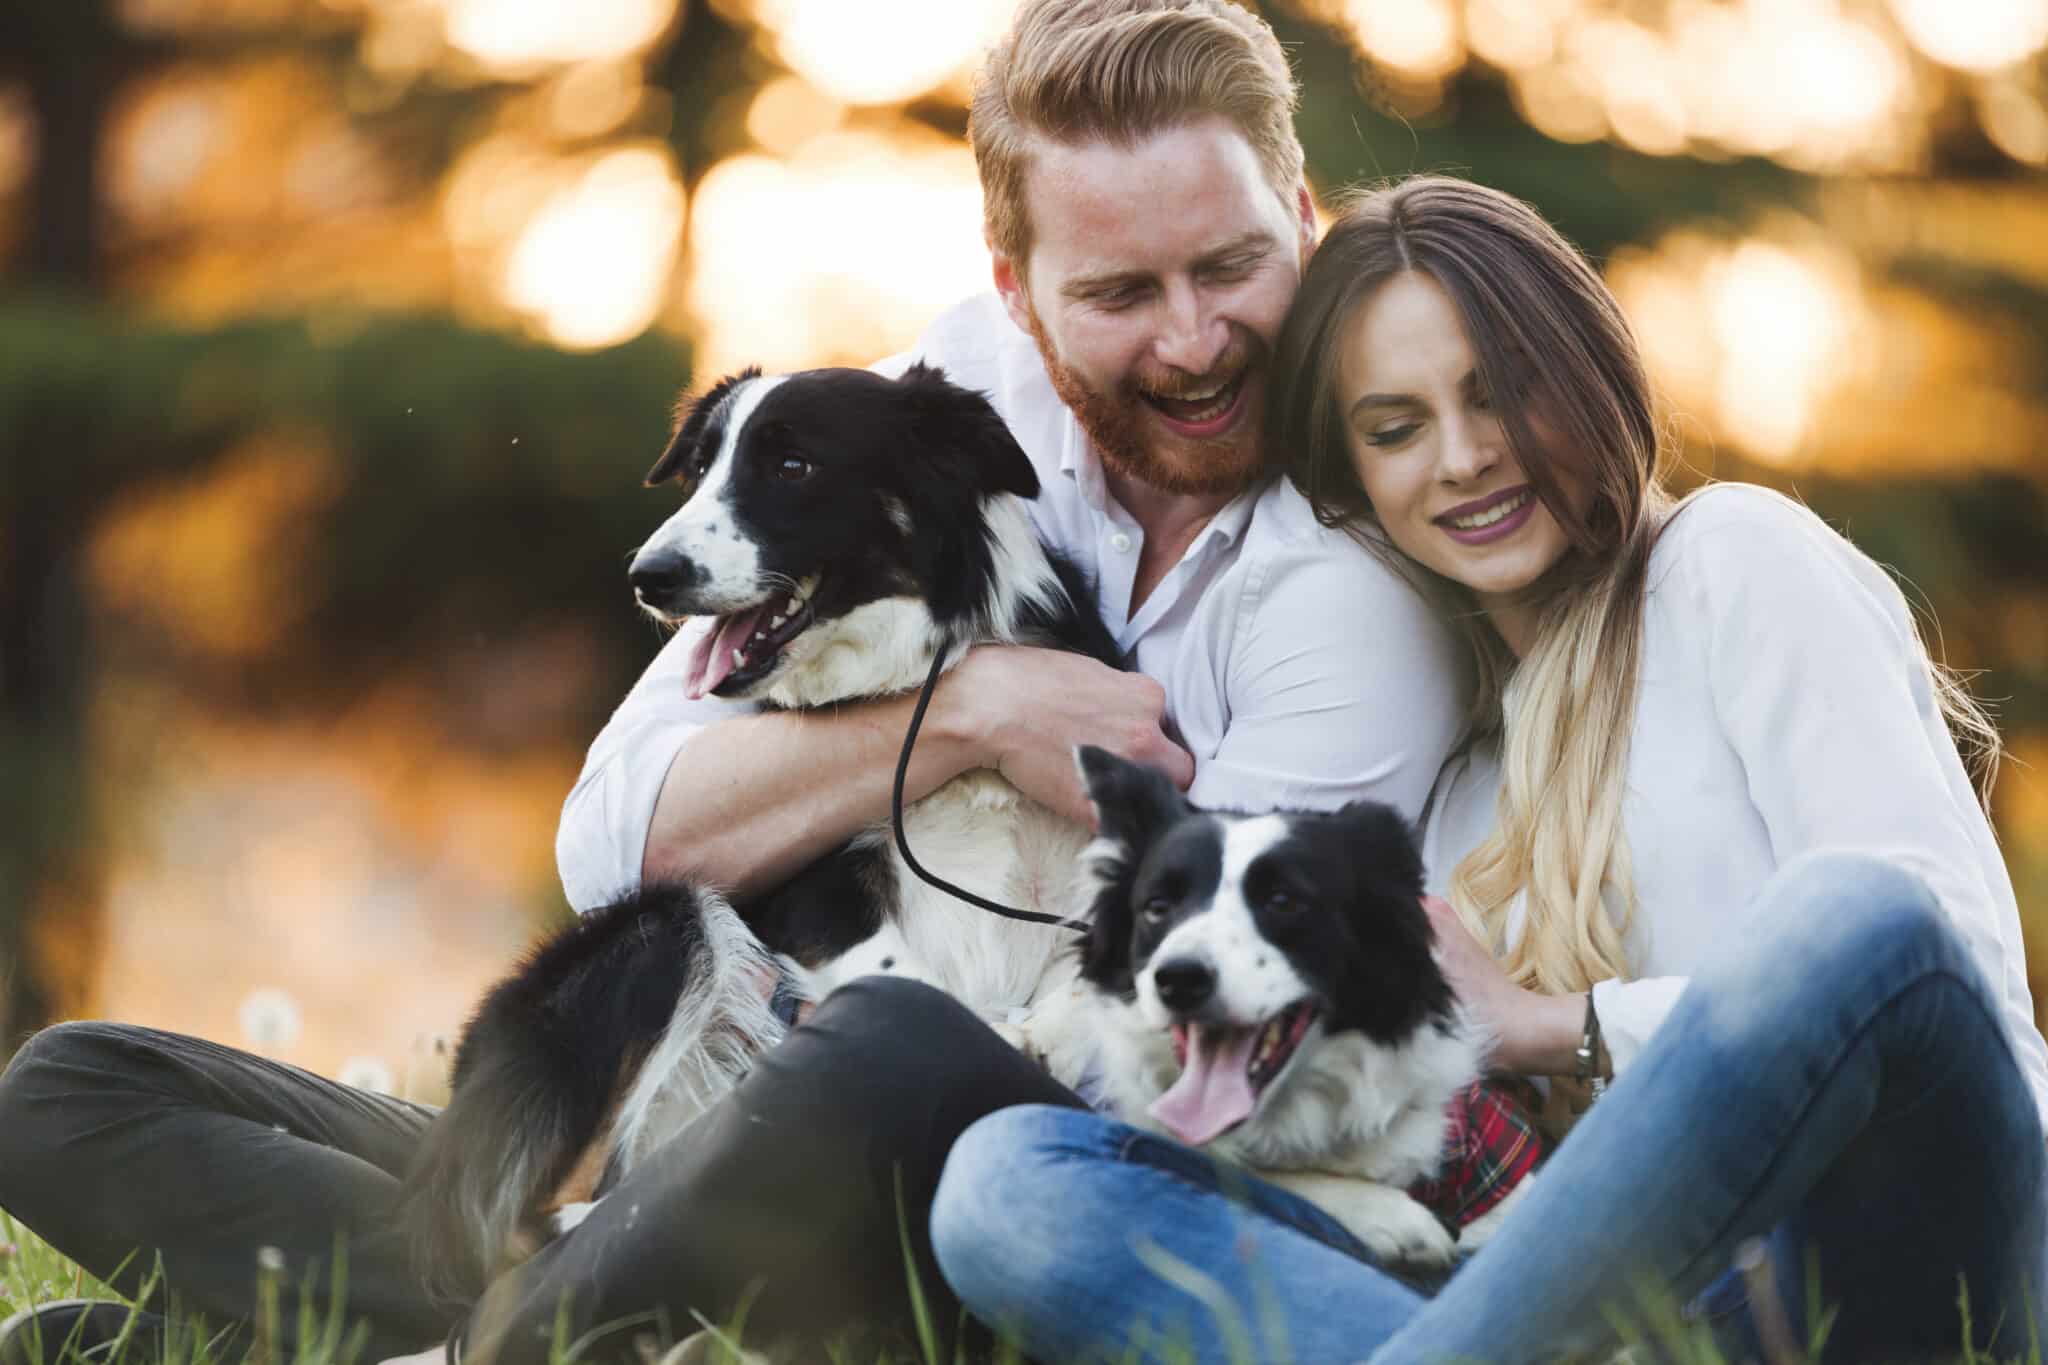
(591, 268)
(1975, 35)
(518, 34)
(1515, 34)
(841, 253)
(1751, 337)
(788, 111)
(2014, 118)
(1418, 38)
(881, 51)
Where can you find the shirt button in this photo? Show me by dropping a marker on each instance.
(1121, 542)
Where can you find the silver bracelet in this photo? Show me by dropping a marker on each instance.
(1588, 1053)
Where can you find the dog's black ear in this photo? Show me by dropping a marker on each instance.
(960, 427)
(672, 460)
(693, 423)
(1133, 803)
(1382, 841)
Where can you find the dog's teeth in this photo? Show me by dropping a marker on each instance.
(795, 605)
(739, 656)
(775, 622)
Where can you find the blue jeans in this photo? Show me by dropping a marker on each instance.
(1838, 1084)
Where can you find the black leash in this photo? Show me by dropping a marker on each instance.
(924, 699)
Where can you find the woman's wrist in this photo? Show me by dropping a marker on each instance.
(1544, 1037)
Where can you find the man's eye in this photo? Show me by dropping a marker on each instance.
(793, 468)
(1392, 436)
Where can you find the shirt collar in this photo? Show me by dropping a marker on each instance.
(1079, 462)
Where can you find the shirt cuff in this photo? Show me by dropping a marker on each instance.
(1630, 1012)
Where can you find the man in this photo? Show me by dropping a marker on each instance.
(1148, 221)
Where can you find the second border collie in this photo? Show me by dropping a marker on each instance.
(1266, 987)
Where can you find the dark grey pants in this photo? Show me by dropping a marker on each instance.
(117, 1143)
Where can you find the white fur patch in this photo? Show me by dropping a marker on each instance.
(1343, 1105)
(1021, 573)
(1254, 980)
(705, 530)
(721, 1024)
(878, 649)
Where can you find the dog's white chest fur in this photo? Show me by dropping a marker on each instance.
(980, 833)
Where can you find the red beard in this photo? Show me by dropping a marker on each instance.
(1115, 422)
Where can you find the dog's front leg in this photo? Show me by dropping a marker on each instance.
(1394, 1228)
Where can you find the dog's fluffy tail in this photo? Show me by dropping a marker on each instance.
(572, 1049)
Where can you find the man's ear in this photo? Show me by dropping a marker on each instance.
(1133, 803)
(1009, 282)
(1305, 211)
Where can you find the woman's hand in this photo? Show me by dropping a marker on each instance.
(1533, 1034)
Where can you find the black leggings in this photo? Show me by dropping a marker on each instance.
(116, 1140)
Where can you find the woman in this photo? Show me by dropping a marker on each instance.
(1733, 853)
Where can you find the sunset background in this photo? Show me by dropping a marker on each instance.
(335, 336)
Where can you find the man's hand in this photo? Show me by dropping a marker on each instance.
(1029, 709)
(1534, 1034)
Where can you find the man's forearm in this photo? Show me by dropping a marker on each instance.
(750, 801)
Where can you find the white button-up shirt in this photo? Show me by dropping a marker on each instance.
(1299, 669)
(1783, 706)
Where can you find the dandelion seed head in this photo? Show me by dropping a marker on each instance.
(270, 1018)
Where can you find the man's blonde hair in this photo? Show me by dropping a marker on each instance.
(1072, 71)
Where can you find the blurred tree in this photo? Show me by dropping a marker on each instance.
(472, 486)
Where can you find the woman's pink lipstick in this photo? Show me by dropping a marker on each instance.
(1506, 526)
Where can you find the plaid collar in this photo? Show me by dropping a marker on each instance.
(1489, 1145)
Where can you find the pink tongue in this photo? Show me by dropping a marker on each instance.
(1214, 1092)
(712, 660)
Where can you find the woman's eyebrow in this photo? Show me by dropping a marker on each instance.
(1384, 400)
(1408, 400)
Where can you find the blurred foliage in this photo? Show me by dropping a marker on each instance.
(481, 487)
(432, 491)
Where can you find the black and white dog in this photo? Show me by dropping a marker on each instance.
(1267, 987)
(1264, 986)
(841, 529)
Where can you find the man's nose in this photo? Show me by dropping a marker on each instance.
(1192, 338)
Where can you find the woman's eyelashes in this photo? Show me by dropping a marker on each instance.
(1391, 435)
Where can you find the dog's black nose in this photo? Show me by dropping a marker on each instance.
(1185, 983)
(657, 578)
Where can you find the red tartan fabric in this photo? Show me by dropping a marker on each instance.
(1489, 1146)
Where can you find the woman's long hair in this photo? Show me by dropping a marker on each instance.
(1567, 382)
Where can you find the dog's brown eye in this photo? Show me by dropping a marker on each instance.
(793, 467)
(1158, 908)
(1280, 903)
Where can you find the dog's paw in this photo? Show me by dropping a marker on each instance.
(1481, 1230)
(1393, 1227)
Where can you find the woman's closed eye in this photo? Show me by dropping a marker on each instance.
(1392, 434)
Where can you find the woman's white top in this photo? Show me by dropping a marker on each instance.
(1784, 705)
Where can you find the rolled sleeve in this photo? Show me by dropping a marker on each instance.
(602, 838)
(1342, 684)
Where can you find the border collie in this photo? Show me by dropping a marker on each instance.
(1266, 987)
(840, 529)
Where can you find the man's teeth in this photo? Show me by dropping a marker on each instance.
(1479, 520)
(1216, 401)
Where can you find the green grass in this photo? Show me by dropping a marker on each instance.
(32, 1272)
